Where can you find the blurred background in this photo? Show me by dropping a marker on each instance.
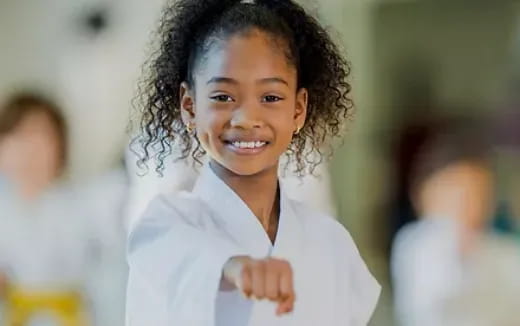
(426, 180)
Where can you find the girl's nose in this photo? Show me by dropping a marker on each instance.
(246, 117)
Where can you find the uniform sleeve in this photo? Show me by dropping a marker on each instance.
(360, 289)
(179, 266)
(144, 306)
(365, 288)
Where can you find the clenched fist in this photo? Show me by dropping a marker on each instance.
(268, 278)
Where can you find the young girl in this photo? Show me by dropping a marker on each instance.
(54, 236)
(244, 82)
(38, 275)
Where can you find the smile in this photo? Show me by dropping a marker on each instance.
(246, 147)
(250, 144)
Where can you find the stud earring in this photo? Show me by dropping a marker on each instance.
(190, 127)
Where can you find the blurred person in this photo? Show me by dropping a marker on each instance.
(51, 231)
(447, 269)
(32, 157)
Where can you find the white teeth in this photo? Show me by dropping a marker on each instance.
(252, 144)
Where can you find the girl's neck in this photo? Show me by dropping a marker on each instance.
(258, 191)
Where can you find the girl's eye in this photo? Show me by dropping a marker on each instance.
(271, 98)
(222, 98)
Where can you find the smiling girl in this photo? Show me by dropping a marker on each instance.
(244, 83)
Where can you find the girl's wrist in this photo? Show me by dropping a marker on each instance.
(232, 271)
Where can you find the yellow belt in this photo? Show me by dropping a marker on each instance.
(23, 305)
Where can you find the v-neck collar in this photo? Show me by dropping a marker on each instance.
(243, 226)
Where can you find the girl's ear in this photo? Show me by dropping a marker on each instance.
(187, 103)
(300, 113)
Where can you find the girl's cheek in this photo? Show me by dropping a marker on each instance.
(217, 121)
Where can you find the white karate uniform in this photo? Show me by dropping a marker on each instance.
(434, 284)
(177, 250)
(314, 190)
(70, 239)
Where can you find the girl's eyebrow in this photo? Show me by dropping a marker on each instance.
(273, 80)
(222, 80)
(228, 80)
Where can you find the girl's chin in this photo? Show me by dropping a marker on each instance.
(247, 167)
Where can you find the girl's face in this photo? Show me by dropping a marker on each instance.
(30, 154)
(245, 105)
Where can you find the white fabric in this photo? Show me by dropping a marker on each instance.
(425, 270)
(177, 250)
(72, 238)
(314, 190)
(40, 249)
(434, 284)
(47, 243)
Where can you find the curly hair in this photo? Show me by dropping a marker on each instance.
(187, 30)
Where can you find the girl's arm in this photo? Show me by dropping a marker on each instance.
(358, 290)
(144, 306)
(175, 266)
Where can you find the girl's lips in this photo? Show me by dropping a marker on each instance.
(245, 148)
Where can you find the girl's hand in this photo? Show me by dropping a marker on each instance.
(259, 279)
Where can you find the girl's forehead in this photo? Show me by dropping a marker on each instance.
(251, 55)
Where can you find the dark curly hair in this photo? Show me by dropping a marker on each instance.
(188, 29)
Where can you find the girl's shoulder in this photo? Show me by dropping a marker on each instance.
(327, 232)
(320, 223)
(163, 213)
